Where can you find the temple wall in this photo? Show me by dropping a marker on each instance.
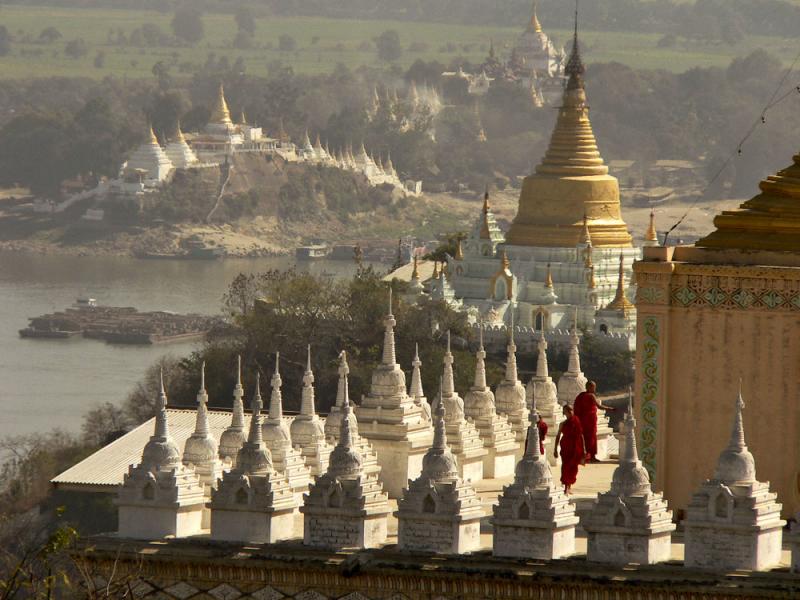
(700, 329)
(199, 570)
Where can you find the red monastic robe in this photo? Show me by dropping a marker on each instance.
(571, 449)
(586, 410)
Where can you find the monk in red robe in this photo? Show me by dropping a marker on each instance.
(569, 440)
(585, 406)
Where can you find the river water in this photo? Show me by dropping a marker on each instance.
(52, 383)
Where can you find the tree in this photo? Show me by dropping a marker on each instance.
(49, 35)
(77, 48)
(5, 41)
(187, 24)
(388, 46)
(103, 424)
(140, 404)
(245, 20)
(287, 43)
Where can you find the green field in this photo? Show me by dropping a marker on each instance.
(321, 43)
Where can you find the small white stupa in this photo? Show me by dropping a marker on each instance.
(200, 451)
(462, 435)
(234, 437)
(252, 503)
(495, 431)
(307, 430)
(287, 460)
(150, 159)
(542, 392)
(510, 394)
(179, 152)
(630, 523)
(733, 521)
(573, 381)
(345, 507)
(391, 420)
(439, 512)
(533, 518)
(416, 391)
(160, 497)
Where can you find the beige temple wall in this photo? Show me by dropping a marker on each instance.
(200, 570)
(702, 327)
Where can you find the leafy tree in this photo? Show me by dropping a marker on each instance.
(77, 48)
(287, 43)
(388, 46)
(187, 24)
(49, 35)
(103, 424)
(245, 20)
(5, 41)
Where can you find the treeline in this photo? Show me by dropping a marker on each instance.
(725, 20)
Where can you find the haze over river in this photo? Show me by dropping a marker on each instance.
(52, 383)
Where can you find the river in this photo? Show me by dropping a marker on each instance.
(51, 383)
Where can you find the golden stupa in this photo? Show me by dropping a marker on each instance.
(220, 113)
(769, 221)
(571, 182)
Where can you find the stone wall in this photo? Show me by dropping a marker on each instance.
(200, 570)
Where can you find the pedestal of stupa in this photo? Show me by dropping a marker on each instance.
(495, 431)
(345, 508)
(463, 437)
(532, 518)
(392, 421)
(252, 503)
(439, 512)
(541, 391)
(160, 497)
(629, 523)
(733, 522)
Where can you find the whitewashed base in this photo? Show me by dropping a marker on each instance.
(152, 523)
(531, 542)
(731, 550)
(624, 549)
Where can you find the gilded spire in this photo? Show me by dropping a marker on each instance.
(220, 113)
(586, 235)
(575, 68)
(651, 236)
(504, 260)
(548, 280)
(592, 282)
(152, 135)
(534, 25)
(435, 274)
(459, 250)
(620, 301)
(415, 270)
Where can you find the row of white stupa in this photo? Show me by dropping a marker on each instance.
(279, 471)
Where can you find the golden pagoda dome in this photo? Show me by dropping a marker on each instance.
(769, 221)
(571, 182)
(534, 24)
(620, 301)
(220, 113)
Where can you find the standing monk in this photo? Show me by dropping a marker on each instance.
(573, 453)
(586, 405)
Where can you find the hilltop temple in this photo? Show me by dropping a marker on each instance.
(536, 64)
(567, 258)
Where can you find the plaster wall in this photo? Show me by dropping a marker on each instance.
(144, 522)
(533, 542)
(398, 464)
(249, 526)
(625, 548)
(721, 549)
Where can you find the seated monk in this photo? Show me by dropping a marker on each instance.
(569, 440)
(585, 407)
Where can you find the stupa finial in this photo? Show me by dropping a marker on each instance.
(276, 400)
(389, 357)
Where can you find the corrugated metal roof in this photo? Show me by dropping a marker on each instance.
(104, 469)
